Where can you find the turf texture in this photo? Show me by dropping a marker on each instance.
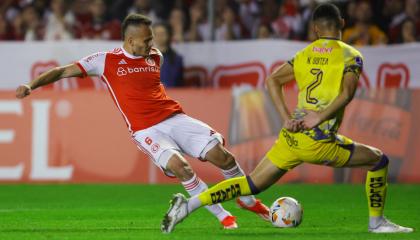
(135, 211)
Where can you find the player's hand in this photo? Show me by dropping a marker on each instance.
(23, 91)
(293, 125)
(311, 119)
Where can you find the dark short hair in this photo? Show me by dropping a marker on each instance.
(134, 19)
(329, 13)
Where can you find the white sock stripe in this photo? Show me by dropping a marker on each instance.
(191, 186)
(191, 183)
(193, 179)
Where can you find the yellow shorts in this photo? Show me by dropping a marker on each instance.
(292, 149)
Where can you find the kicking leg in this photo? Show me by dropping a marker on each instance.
(223, 159)
(198, 146)
(376, 186)
(223, 191)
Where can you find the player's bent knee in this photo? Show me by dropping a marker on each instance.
(384, 161)
(376, 156)
(378, 153)
(220, 157)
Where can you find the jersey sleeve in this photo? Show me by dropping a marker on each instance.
(93, 64)
(354, 63)
(292, 60)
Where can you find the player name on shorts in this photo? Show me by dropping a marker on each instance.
(221, 195)
(317, 60)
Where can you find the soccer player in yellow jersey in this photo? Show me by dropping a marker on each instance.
(327, 72)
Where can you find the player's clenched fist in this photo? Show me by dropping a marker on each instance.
(23, 91)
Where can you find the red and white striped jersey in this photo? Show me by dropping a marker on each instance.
(134, 84)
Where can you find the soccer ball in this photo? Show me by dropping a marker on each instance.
(286, 212)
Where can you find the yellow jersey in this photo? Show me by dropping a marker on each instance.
(319, 69)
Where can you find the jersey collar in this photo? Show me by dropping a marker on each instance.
(330, 38)
(130, 55)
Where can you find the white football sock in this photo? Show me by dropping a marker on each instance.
(194, 186)
(375, 221)
(236, 171)
(193, 203)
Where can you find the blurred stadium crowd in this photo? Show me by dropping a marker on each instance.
(367, 22)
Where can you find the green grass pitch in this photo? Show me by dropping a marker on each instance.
(135, 211)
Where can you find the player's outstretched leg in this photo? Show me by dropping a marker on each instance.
(260, 179)
(376, 187)
(180, 207)
(194, 185)
(222, 158)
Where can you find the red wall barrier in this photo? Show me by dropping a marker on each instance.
(79, 136)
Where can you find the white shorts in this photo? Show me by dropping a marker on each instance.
(177, 134)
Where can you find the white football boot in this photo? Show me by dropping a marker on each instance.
(178, 210)
(387, 226)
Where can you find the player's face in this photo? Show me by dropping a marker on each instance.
(161, 36)
(141, 40)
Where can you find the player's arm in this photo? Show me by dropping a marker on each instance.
(50, 76)
(312, 118)
(275, 83)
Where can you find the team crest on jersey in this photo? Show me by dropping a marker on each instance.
(155, 147)
(150, 61)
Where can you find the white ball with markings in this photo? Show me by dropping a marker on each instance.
(286, 212)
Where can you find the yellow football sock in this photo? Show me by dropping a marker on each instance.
(376, 185)
(226, 190)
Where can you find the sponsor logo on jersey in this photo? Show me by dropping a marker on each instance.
(122, 62)
(121, 71)
(322, 50)
(150, 61)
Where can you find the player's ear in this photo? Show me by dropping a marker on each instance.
(129, 40)
(315, 29)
